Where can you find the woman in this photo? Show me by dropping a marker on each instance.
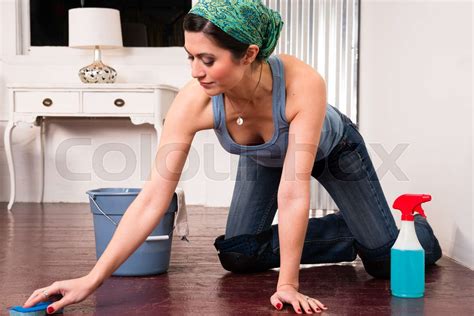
(272, 111)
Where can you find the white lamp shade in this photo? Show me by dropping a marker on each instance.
(90, 27)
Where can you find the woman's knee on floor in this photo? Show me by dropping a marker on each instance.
(376, 261)
(247, 253)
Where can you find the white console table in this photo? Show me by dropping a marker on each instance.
(142, 103)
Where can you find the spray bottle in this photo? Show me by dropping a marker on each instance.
(407, 265)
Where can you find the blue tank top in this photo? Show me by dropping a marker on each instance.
(272, 153)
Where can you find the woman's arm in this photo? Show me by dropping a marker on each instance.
(148, 208)
(152, 202)
(294, 189)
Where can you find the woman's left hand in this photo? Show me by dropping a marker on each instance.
(288, 294)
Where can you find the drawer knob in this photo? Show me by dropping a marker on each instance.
(47, 102)
(119, 102)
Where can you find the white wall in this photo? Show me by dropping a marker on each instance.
(416, 89)
(53, 65)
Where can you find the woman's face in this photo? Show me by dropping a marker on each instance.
(212, 65)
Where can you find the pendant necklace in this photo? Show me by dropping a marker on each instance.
(240, 119)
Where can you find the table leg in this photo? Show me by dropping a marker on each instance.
(11, 165)
(42, 141)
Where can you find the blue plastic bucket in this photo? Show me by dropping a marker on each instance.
(153, 257)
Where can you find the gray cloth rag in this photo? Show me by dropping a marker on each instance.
(181, 221)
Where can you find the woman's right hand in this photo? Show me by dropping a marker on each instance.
(72, 291)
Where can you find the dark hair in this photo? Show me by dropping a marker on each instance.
(195, 23)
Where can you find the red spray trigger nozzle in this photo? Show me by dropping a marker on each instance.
(408, 204)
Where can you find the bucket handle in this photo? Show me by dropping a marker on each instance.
(157, 238)
(100, 210)
(149, 238)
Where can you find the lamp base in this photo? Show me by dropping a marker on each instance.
(97, 72)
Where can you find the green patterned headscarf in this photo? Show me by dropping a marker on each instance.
(248, 21)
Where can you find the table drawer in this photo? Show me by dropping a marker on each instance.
(118, 102)
(46, 102)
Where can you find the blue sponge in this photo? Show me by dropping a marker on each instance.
(36, 310)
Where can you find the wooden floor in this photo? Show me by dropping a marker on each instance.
(41, 243)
